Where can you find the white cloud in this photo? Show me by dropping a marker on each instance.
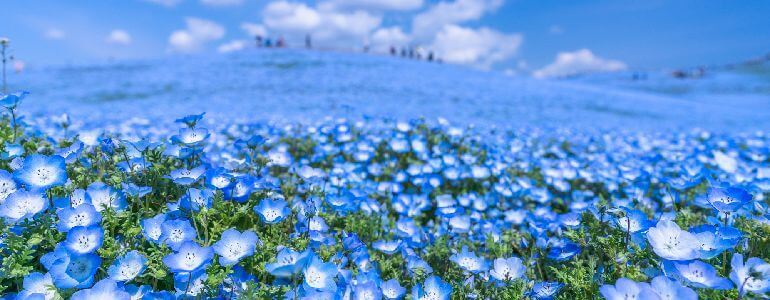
(324, 24)
(54, 34)
(555, 29)
(382, 39)
(168, 3)
(426, 24)
(231, 46)
(377, 5)
(119, 37)
(222, 2)
(254, 29)
(479, 47)
(578, 62)
(288, 16)
(195, 35)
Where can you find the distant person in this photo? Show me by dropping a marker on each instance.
(268, 43)
(393, 51)
(308, 42)
(430, 55)
(280, 43)
(411, 52)
(366, 48)
(403, 52)
(258, 39)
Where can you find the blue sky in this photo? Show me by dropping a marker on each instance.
(521, 36)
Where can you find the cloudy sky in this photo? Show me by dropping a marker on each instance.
(541, 37)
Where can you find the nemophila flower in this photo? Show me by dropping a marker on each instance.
(79, 197)
(623, 289)
(104, 289)
(23, 205)
(191, 136)
(666, 289)
(545, 290)
(176, 232)
(152, 228)
(288, 263)
(728, 200)
(191, 120)
(392, 290)
(672, 243)
(194, 199)
(564, 251)
(128, 266)
(42, 172)
(433, 288)
(190, 285)
(272, 211)
(753, 275)
(104, 196)
(716, 239)
(507, 269)
(189, 257)
(38, 283)
(468, 261)
(387, 247)
(135, 190)
(186, 176)
(11, 151)
(160, 295)
(82, 240)
(7, 185)
(82, 215)
(71, 153)
(320, 275)
(74, 271)
(367, 291)
(696, 274)
(218, 178)
(234, 245)
(12, 100)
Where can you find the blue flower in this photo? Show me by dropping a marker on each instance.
(186, 176)
(135, 190)
(72, 270)
(191, 136)
(564, 251)
(37, 283)
(545, 290)
(623, 289)
(23, 205)
(189, 257)
(432, 289)
(753, 275)
(696, 274)
(728, 200)
(152, 228)
(287, 263)
(392, 290)
(194, 199)
(190, 284)
(387, 247)
(191, 120)
(320, 275)
(176, 232)
(82, 240)
(10, 101)
(234, 245)
(664, 288)
(715, 240)
(272, 211)
(672, 243)
(367, 291)
(507, 269)
(468, 261)
(104, 196)
(82, 215)
(104, 289)
(7, 185)
(42, 172)
(128, 266)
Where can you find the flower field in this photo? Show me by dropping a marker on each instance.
(347, 209)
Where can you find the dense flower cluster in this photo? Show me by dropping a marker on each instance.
(378, 210)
